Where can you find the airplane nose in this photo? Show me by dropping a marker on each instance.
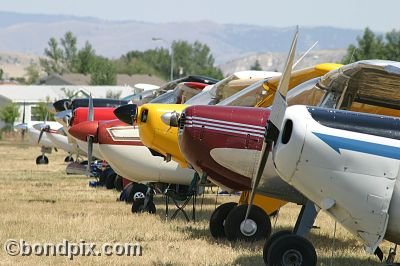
(126, 113)
(84, 129)
(60, 105)
(23, 126)
(39, 126)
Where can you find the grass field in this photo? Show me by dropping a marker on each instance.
(42, 204)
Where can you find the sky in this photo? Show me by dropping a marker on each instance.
(382, 15)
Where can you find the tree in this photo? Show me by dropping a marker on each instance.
(113, 94)
(193, 58)
(55, 61)
(369, 46)
(103, 72)
(1, 73)
(32, 71)
(9, 113)
(256, 66)
(41, 112)
(70, 51)
(86, 57)
(392, 46)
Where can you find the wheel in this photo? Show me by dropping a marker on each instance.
(292, 250)
(109, 180)
(270, 240)
(257, 226)
(42, 159)
(138, 191)
(68, 159)
(218, 217)
(138, 206)
(119, 186)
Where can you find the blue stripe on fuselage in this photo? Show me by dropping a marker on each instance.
(338, 143)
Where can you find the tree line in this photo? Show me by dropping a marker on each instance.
(63, 56)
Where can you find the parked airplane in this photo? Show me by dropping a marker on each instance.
(347, 163)
(33, 135)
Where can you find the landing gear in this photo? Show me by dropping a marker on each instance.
(291, 249)
(109, 179)
(286, 248)
(68, 159)
(256, 227)
(143, 202)
(138, 206)
(42, 159)
(217, 220)
(118, 184)
(136, 191)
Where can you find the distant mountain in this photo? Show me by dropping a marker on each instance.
(29, 33)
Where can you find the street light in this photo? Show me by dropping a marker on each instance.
(171, 53)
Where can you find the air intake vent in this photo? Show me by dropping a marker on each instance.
(181, 122)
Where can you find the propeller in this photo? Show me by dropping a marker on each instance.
(89, 154)
(23, 122)
(275, 120)
(44, 128)
(90, 138)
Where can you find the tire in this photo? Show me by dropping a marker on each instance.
(272, 239)
(109, 180)
(119, 186)
(257, 217)
(218, 217)
(42, 160)
(292, 250)
(138, 191)
(137, 207)
(68, 159)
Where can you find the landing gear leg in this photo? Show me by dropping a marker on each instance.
(285, 248)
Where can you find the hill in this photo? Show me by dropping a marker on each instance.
(29, 33)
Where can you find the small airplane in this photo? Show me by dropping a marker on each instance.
(345, 162)
(33, 135)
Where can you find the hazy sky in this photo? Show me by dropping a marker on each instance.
(381, 15)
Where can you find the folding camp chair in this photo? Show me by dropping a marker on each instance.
(181, 195)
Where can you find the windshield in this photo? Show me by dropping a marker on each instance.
(308, 91)
(179, 95)
(249, 96)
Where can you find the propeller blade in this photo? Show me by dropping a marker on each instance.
(89, 154)
(23, 115)
(40, 135)
(23, 122)
(126, 113)
(91, 110)
(275, 120)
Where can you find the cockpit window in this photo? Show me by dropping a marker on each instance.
(249, 96)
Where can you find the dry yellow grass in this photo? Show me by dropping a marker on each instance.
(43, 204)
